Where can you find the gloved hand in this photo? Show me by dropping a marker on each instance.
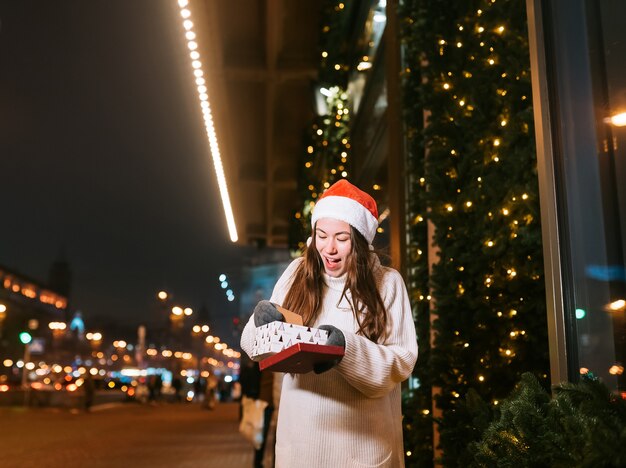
(335, 338)
(265, 312)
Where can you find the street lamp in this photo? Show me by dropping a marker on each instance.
(198, 331)
(94, 338)
(58, 330)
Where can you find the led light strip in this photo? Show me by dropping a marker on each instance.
(203, 96)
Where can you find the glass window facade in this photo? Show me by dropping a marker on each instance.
(581, 119)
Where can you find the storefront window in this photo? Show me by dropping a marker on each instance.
(585, 44)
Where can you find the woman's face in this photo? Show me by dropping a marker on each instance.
(333, 242)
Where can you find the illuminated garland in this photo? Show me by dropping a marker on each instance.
(473, 170)
(326, 157)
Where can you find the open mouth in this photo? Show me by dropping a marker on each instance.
(332, 263)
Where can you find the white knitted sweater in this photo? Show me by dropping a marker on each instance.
(349, 416)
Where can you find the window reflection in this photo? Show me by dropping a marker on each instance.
(591, 156)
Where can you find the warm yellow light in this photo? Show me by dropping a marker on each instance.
(177, 310)
(619, 120)
(618, 305)
(210, 128)
(188, 311)
(446, 86)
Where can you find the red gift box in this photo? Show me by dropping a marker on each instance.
(301, 357)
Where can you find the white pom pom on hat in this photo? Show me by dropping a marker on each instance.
(346, 202)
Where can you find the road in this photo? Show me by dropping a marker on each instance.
(173, 435)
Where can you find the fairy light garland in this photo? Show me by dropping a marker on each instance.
(203, 97)
(476, 186)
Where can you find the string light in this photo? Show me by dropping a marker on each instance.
(203, 97)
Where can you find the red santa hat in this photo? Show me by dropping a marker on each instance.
(348, 203)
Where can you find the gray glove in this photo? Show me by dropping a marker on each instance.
(265, 312)
(335, 338)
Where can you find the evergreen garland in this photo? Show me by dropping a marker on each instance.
(417, 402)
(584, 425)
(326, 157)
(473, 176)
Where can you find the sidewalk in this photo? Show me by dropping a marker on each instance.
(142, 436)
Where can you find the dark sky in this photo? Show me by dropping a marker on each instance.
(103, 154)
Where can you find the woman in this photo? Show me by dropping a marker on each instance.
(349, 415)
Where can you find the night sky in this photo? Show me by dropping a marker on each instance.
(103, 155)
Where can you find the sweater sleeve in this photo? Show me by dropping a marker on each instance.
(375, 369)
(278, 296)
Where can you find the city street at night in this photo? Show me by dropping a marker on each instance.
(124, 434)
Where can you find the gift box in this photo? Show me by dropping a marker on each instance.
(274, 337)
(301, 358)
(291, 346)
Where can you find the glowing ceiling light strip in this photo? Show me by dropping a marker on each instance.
(203, 96)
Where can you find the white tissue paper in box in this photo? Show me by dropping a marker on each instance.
(273, 337)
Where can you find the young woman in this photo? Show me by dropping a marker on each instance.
(348, 415)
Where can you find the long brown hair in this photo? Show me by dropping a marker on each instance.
(305, 294)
